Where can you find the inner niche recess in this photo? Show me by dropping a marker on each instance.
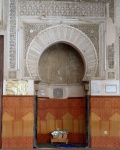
(61, 64)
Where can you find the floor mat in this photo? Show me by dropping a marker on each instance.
(66, 145)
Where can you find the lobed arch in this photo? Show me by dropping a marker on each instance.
(62, 34)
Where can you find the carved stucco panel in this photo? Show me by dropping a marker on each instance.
(84, 46)
(111, 56)
(68, 9)
(12, 35)
(89, 8)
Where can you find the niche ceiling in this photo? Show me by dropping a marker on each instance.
(61, 64)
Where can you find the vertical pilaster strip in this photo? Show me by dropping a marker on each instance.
(12, 24)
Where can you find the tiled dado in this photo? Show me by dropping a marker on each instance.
(17, 116)
(105, 122)
(17, 121)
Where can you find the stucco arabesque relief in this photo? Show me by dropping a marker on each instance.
(65, 9)
(111, 61)
(12, 49)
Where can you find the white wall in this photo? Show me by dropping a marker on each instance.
(117, 13)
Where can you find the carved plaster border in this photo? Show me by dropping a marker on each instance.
(12, 35)
(61, 8)
(66, 34)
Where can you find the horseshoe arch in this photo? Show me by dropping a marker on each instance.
(66, 34)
